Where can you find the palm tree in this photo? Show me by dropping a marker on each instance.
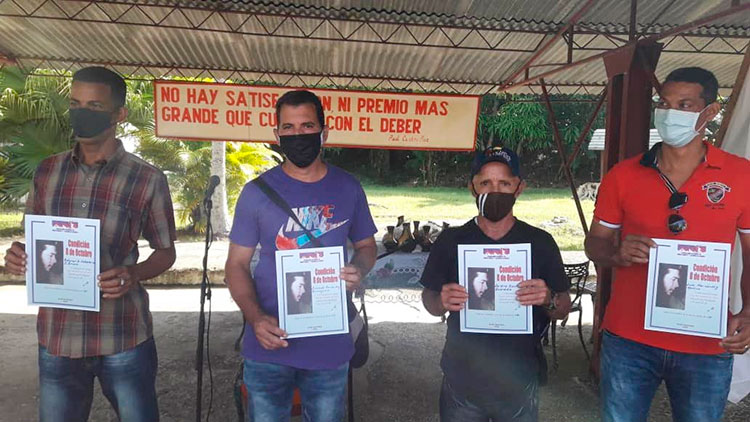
(33, 125)
(187, 164)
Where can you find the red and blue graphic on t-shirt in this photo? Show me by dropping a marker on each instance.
(317, 220)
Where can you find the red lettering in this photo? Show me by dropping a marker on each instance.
(443, 108)
(397, 125)
(170, 94)
(202, 96)
(267, 119)
(425, 108)
(239, 117)
(382, 105)
(190, 115)
(325, 100)
(339, 122)
(241, 100)
(345, 104)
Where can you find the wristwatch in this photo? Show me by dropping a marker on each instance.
(552, 305)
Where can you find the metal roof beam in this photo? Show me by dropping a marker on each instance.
(651, 39)
(561, 153)
(377, 16)
(252, 24)
(7, 60)
(376, 34)
(30, 65)
(541, 50)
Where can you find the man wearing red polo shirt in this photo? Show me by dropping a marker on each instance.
(683, 188)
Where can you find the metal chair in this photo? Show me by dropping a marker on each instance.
(577, 274)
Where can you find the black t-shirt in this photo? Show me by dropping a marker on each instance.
(486, 368)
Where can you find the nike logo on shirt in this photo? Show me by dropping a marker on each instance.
(315, 218)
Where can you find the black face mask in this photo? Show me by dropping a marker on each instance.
(301, 149)
(89, 123)
(494, 206)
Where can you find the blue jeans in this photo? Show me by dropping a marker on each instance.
(66, 385)
(270, 388)
(455, 408)
(631, 372)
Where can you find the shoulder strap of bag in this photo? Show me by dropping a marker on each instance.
(281, 203)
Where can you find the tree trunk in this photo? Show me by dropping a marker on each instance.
(219, 212)
(428, 170)
(380, 160)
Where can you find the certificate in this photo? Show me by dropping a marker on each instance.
(688, 288)
(63, 262)
(490, 274)
(311, 294)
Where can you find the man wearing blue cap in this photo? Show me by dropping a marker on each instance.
(494, 376)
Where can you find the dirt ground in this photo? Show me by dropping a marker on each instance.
(400, 382)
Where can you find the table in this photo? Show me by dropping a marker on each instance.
(397, 270)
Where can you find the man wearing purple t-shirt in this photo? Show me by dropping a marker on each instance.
(331, 204)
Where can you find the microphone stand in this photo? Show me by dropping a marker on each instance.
(205, 294)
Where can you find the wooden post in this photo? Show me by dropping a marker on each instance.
(630, 74)
(736, 90)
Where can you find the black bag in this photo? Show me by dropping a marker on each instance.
(358, 325)
(541, 325)
(358, 328)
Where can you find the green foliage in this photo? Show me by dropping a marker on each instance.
(518, 122)
(12, 77)
(187, 164)
(33, 126)
(521, 125)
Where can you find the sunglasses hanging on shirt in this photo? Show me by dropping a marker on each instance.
(676, 223)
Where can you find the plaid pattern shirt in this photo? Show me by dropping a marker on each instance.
(130, 197)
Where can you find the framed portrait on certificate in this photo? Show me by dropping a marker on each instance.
(311, 294)
(63, 262)
(490, 274)
(688, 288)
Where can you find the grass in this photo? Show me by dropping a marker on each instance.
(10, 223)
(535, 206)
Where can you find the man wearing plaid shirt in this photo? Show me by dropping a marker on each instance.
(99, 179)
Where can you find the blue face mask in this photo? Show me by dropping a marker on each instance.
(676, 127)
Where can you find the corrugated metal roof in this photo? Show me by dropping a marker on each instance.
(545, 15)
(433, 42)
(597, 139)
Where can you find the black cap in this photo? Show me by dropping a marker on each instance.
(496, 154)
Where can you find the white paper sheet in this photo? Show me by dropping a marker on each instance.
(688, 288)
(490, 274)
(311, 294)
(63, 262)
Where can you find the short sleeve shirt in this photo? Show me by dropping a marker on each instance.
(334, 209)
(634, 199)
(473, 361)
